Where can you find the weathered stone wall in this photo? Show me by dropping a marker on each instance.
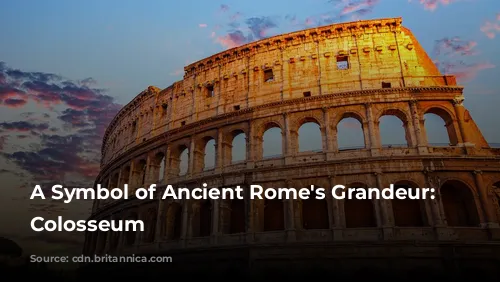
(302, 63)
(143, 145)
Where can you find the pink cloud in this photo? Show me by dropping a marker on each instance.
(202, 25)
(432, 5)
(490, 29)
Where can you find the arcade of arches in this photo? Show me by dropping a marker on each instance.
(457, 205)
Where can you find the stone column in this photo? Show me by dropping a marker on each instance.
(148, 177)
(192, 156)
(374, 144)
(330, 136)
(160, 217)
(421, 141)
(336, 210)
(460, 114)
(131, 179)
(166, 172)
(119, 183)
(109, 235)
(289, 216)
(288, 148)
(185, 220)
(139, 233)
(250, 146)
(385, 211)
(486, 201)
(219, 151)
(216, 215)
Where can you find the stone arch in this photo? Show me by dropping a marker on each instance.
(205, 157)
(402, 116)
(409, 212)
(157, 167)
(459, 204)
(174, 221)
(274, 215)
(238, 216)
(272, 140)
(359, 213)
(351, 126)
(130, 236)
(179, 159)
(309, 134)
(150, 225)
(315, 213)
(202, 218)
(238, 141)
(447, 117)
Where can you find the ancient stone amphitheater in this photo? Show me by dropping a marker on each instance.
(362, 70)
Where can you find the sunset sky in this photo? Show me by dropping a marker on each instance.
(66, 67)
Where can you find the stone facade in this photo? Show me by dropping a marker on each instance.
(362, 70)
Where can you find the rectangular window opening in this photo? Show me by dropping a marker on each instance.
(342, 63)
(268, 75)
(164, 109)
(210, 91)
(307, 94)
(386, 84)
(236, 108)
(183, 123)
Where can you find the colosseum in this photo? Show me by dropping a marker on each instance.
(362, 71)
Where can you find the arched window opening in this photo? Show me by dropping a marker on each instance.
(238, 217)
(310, 138)
(239, 147)
(272, 143)
(315, 214)
(359, 213)
(210, 155)
(205, 218)
(459, 205)
(174, 222)
(150, 225)
(408, 212)
(183, 161)
(141, 169)
(350, 134)
(159, 167)
(274, 216)
(392, 132)
(439, 128)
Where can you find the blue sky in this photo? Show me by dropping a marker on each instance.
(109, 51)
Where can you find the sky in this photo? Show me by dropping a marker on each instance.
(66, 67)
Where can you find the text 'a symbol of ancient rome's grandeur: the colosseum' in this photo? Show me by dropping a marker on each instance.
(363, 70)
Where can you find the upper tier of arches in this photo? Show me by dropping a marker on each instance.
(340, 58)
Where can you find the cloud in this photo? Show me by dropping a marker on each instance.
(255, 28)
(454, 46)
(70, 152)
(223, 8)
(450, 54)
(432, 5)
(202, 25)
(490, 29)
(466, 72)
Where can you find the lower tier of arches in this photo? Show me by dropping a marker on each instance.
(366, 259)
